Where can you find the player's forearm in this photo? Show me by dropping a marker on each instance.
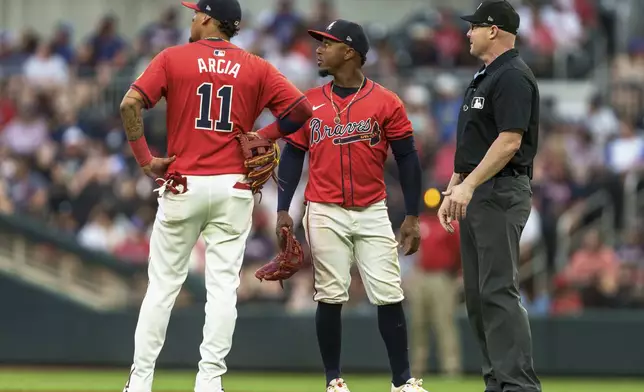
(289, 173)
(496, 158)
(289, 123)
(131, 114)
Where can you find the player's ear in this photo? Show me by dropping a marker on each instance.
(348, 55)
(205, 19)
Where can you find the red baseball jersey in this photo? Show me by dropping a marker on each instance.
(214, 90)
(347, 160)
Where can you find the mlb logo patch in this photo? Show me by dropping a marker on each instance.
(219, 53)
(478, 102)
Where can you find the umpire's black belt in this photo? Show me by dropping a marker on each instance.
(507, 172)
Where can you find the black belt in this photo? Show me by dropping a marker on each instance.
(507, 172)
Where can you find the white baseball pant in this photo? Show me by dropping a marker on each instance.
(338, 237)
(212, 206)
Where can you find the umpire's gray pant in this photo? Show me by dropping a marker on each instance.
(490, 235)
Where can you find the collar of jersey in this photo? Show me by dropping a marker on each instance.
(362, 91)
(499, 61)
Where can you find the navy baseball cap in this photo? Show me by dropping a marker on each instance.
(497, 13)
(349, 33)
(222, 10)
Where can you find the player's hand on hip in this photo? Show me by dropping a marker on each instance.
(283, 220)
(443, 215)
(158, 167)
(410, 235)
(460, 196)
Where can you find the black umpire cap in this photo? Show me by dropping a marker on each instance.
(349, 33)
(497, 13)
(221, 10)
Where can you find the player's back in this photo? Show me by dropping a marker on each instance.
(214, 90)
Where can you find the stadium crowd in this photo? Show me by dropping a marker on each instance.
(64, 160)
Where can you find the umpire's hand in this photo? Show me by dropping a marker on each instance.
(459, 197)
(410, 235)
(443, 215)
(283, 220)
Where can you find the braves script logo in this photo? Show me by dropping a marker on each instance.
(345, 133)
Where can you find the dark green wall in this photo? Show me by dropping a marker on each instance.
(37, 328)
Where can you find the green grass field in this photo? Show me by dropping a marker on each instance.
(15, 379)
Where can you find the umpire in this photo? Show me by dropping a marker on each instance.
(490, 195)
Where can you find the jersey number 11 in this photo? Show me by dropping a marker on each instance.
(205, 121)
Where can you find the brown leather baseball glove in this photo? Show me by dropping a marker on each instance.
(261, 157)
(287, 262)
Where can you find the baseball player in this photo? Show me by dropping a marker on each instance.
(354, 122)
(214, 92)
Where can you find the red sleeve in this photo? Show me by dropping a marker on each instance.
(152, 84)
(278, 94)
(299, 139)
(397, 124)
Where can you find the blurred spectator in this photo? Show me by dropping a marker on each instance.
(631, 251)
(136, 246)
(163, 33)
(45, 68)
(421, 46)
(449, 39)
(101, 232)
(27, 190)
(593, 260)
(432, 294)
(297, 67)
(537, 302)
(282, 23)
(561, 16)
(417, 100)
(7, 106)
(606, 292)
(27, 131)
(629, 67)
(106, 45)
(601, 121)
(6, 206)
(447, 106)
(300, 299)
(62, 42)
(323, 14)
(12, 61)
(626, 152)
(567, 300)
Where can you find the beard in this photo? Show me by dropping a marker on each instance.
(324, 73)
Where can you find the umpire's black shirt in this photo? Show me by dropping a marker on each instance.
(503, 96)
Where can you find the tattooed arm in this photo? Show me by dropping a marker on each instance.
(132, 116)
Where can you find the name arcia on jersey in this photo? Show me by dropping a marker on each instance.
(350, 132)
(219, 66)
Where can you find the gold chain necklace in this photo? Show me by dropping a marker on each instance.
(335, 108)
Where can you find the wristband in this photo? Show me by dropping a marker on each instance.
(141, 151)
